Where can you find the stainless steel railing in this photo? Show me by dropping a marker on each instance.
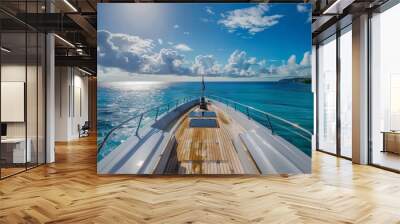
(276, 124)
(155, 112)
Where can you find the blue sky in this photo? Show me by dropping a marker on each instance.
(226, 41)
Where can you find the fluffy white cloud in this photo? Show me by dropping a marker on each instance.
(167, 61)
(292, 69)
(206, 65)
(306, 61)
(291, 60)
(128, 43)
(239, 64)
(302, 8)
(183, 47)
(123, 51)
(137, 55)
(160, 41)
(252, 19)
(210, 11)
(176, 26)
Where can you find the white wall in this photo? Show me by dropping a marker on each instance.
(13, 99)
(17, 73)
(70, 83)
(79, 117)
(33, 126)
(62, 82)
(12, 73)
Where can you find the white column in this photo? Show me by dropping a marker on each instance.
(50, 98)
(360, 90)
(314, 91)
(50, 92)
(63, 101)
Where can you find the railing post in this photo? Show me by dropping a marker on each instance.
(138, 127)
(177, 102)
(167, 107)
(247, 111)
(158, 108)
(234, 104)
(270, 124)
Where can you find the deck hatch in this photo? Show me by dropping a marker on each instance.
(202, 114)
(203, 123)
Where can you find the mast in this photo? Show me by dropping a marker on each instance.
(203, 104)
(203, 86)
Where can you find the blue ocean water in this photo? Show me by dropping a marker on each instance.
(118, 101)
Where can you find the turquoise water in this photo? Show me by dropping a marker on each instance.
(119, 101)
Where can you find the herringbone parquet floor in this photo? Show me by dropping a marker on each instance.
(70, 191)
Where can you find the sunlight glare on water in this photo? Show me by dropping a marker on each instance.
(137, 85)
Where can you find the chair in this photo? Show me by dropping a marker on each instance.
(84, 130)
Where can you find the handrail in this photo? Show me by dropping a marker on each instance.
(141, 115)
(262, 112)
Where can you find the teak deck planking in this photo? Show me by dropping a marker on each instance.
(204, 150)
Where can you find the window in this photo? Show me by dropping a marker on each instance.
(22, 88)
(346, 92)
(327, 95)
(385, 89)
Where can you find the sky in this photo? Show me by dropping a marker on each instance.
(223, 41)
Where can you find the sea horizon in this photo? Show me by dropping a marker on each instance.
(206, 80)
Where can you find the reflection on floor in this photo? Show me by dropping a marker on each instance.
(387, 159)
(70, 191)
(11, 169)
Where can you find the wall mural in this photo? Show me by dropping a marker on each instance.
(217, 88)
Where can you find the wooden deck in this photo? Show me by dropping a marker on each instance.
(204, 150)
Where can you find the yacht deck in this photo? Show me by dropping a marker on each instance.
(205, 150)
